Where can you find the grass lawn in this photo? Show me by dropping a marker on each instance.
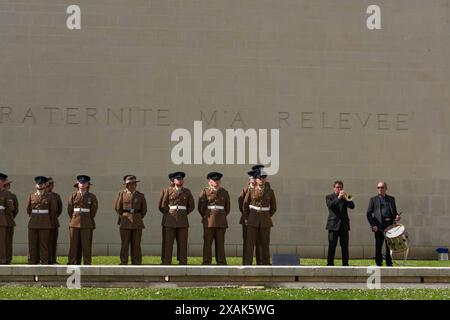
(41, 293)
(224, 293)
(154, 260)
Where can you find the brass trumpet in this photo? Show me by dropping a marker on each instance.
(348, 197)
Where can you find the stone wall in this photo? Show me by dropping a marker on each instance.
(350, 103)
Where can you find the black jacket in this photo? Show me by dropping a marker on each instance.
(337, 213)
(374, 210)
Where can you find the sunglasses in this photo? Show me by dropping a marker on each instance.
(380, 187)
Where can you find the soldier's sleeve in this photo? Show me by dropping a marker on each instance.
(59, 204)
(94, 206)
(201, 207)
(165, 202)
(191, 204)
(118, 203)
(160, 201)
(143, 206)
(273, 204)
(241, 201)
(70, 206)
(29, 205)
(53, 206)
(15, 205)
(245, 205)
(227, 203)
(9, 205)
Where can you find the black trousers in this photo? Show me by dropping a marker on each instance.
(379, 240)
(333, 237)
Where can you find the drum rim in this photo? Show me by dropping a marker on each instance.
(394, 226)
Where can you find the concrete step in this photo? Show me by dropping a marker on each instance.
(148, 275)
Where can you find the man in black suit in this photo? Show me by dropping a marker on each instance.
(382, 212)
(338, 223)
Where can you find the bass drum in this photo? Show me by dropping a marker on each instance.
(396, 238)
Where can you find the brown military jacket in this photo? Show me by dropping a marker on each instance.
(59, 205)
(41, 202)
(260, 198)
(82, 220)
(134, 206)
(177, 218)
(214, 218)
(6, 214)
(241, 202)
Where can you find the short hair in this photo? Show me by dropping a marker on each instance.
(384, 183)
(338, 182)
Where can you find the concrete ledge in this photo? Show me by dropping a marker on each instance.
(135, 276)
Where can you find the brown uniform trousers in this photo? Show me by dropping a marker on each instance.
(214, 222)
(176, 224)
(244, 228)
(82, 210)
(11, 229)
(259, 222)
(53, 237)
(160, 208)
(6, 224)
(131, 208)
(42, 210)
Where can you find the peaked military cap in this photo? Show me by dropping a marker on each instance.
(179, 175)
(40, 179)
(214, 176)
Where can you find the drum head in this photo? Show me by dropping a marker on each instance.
(395, 231)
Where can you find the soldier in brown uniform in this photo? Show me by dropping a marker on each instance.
(131, 207)
(214, 206)
(42, 209)
(6, 219)
(177, 204)
(11, 229)
(82, 208)
(160, 208)
(259, 207)
(53, 244)
(250, 185)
